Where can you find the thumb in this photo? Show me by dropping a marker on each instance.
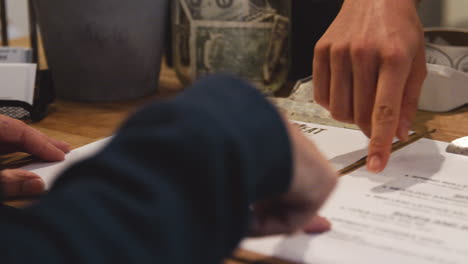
(280, 216)
(317, 224)
(20, 183)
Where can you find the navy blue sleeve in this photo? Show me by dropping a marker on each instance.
(173, 186)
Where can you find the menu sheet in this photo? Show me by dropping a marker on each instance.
(415, 211)
(340, 154)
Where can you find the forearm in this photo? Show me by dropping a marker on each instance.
(174, 186)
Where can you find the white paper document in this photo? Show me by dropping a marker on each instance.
(415, 212)
(49, 171)
(351, 147)
(341, 146)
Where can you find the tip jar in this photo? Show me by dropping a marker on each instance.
(247, 38)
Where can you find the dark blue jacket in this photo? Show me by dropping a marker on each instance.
(174, 185)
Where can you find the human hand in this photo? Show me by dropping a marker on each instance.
(313, 180)
(16, 136)
(369, 68)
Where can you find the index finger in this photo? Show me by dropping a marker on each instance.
(21, 137)
(39, 145)
(391, 83)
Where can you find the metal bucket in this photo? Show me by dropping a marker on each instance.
(103, 50)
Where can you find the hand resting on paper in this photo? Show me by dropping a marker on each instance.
(16, 136)
(312, 182)
(187, 171)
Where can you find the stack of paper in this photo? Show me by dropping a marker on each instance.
(416, 211)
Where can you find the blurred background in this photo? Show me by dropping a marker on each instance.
(448, 13)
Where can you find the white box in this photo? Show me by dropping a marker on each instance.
(17, 81)
(444, 89)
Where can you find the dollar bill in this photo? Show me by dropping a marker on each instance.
(260, 15)
(184, 8)
(259, 11)
(277, 48)
(234, 47)
(217, 10)
(260, 8)
(264, 5)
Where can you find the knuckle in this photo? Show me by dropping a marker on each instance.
(395, 56)
(359, 51)
(8, 122)
(339, 50)
(321, 47)
(385, 115)
(362, 49)
(11, 128)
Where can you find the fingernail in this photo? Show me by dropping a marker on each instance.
(67, 146)
(318, 225)
(33, 186)
(374, 164)
(51, 153)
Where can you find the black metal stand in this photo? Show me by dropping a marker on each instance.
(33, 32)
(4, 22)
(44, 93)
